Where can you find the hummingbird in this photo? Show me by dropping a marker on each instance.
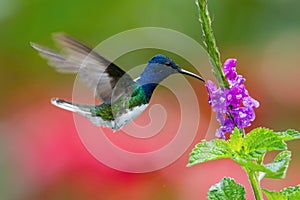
(123, 98)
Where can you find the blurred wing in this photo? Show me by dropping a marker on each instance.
(99, 73)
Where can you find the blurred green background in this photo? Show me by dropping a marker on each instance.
(41, 156)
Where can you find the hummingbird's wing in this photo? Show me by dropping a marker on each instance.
(98, 72)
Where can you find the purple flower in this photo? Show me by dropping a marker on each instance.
(250, 102)
(226, 126)
(243, 116)
(236, 95)
(234, 106)
(229, 69)
(217, 97)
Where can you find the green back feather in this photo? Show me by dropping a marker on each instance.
(107, 111)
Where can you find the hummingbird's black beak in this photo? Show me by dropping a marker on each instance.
(182, 71)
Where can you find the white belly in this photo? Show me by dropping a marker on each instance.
(120, 120)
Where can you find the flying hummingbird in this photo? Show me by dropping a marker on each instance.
(123, 98)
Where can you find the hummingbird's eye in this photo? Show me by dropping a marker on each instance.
(167, 63)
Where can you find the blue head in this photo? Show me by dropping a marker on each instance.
(158, 68)
(163, 60)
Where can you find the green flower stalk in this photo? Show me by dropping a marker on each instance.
(254, 184)
(210, 43)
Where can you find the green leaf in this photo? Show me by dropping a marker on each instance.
(290, 193)
(293, 193)
(291, 190)
(279, 166)
(261, 140)
(273, 195)
(227, 189)
(236, 140)
(212, 150)
(276, 169)
(289, 134)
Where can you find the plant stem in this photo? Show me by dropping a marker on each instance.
(242, 131)
(210, 43)
(255, 184)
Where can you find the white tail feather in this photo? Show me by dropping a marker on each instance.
(70, 106)
(84, 111)
(117, 123)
